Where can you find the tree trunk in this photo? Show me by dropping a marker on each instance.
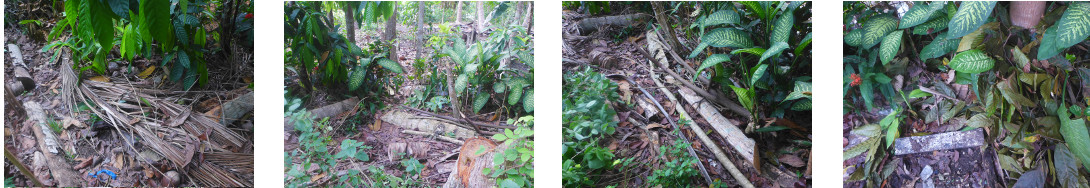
(419, 28)
(529, 15)
(391, 33)
(480, 16)
(589, 25)
(458, 12)
(663, 21)
(350, 22)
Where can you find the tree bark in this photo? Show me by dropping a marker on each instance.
(350, 22)
(589, 25)
(664, 22)
(391, 33)
(458, 12)
(419, 28)
(529, 15)
(480, 16)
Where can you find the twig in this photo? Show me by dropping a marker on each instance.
(673, 123)
(440, 137)
(738, 176)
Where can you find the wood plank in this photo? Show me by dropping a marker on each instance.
(941, 141)
(730, 132)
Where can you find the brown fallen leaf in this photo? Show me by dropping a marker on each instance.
(792, 160)
(69, 121)
(654, 125)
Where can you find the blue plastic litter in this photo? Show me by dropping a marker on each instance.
(107, 172)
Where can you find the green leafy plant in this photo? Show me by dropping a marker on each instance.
(515, 165)
(587, 117)
(483, 75)
(769, 42)
(679, 171)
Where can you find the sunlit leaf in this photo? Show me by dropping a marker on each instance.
(890, 46)
(969, 17)
(972, 61)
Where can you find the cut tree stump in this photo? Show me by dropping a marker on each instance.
(730, 132)
(58, 166)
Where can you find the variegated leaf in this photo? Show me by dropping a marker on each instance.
(713, 60)
(969, 17)
(854, 38)
(935, 25)
(972, 61)
(773, 51)
(391, 65)
(876, 28)
(919, 14)
(782, 28)
(1074, 26)
(939, 47)
(890, 46)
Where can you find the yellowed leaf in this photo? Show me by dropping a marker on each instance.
(147, 72)
(100, 79)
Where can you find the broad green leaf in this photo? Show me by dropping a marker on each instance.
(183, 59)
(802, 105)
(724, 16)
(1074, 26)
(460, 83)
(499, 87)
(972, 61)
(758, 72)
(802, 90)
(127, 41)
(1067, 168)
(918, 93)
(876, 28)
(970, 16)
(102, 23)
(391, 65)
(869, 130)
(723, 37)
(892, 132)
(805, 42)
(745, 96)
(854, 37)
(935, 25)
(781, 30)
(1049, 46)
(479, 102)
(939, 47)
(1013, 96)
(514, 95)
(860, 148)
(753, 51)
(890, 46)
(713, 60)
(919, 14)
(1075, 135)
(356, 79)
(773, 51)
(528, 101)
(179, 31)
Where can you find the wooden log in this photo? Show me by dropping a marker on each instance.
(440, 137)
(62, 171)
(941, 141)
(22, 168)
(326, 111)
(730, 132)
(21, 73)
(235, 109)
(590, 25)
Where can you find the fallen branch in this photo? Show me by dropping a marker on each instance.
(497, 125)
(734, 136)
(21, 73)
(704, 93)
(61, 170)
(590, 25)
(722, 157)
(440, 137)
(22, 168)
(673, 123)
